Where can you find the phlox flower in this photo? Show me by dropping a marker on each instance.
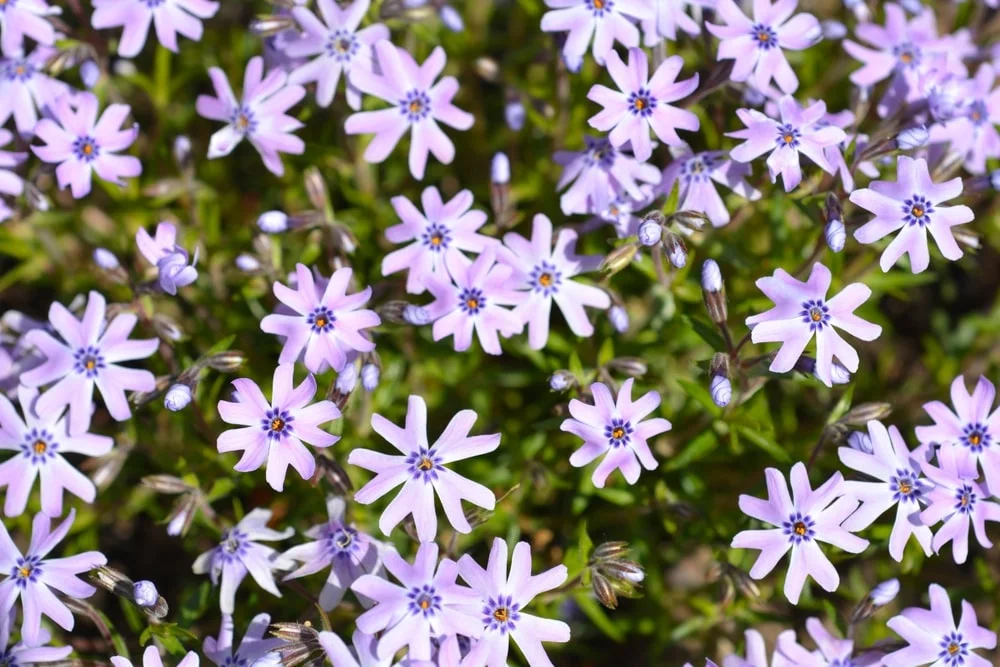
(259, 116)
(151, 658)
(615, 429)
(801, 522)
(81, 143)
(758, 46)
(335, 45)
(10, 183)
(503, 597)
(170, 259)
(169, 17)
(643, 103)
(26, 18)
(338, 545)
(87, 356)
(912, 205)
(933, 638)
(802, 310)
(417, 104)
(799, 131)
(26, 90)
(273, 433)
(426, 603)
(238, 553)
(597, 174)
(253, 649)
(959, 502)
(972, 429)
(420, 469)
(327, 325)
(542, 275)
(756, 652)
(363, 654)
(39, 441)
(830, 651)
(26, 655)
(620, 213)
(972, 131)
(473, 299)
(900, 483)
(31, 577)
(607, 21)
(668, 16)
(696, 176)
(442, 229)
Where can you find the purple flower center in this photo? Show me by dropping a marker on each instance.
(697, 169)
(546, 278)
(277, 423)
(415, 106)
(788, 136)
(7, 4)
(764, 36)
(953, 649)
(600, 153)
(599, 7)
(815, 313)
(38, 446)
(26, 570)
(7, 658)
(341, 45)
(86, 149)
(641, 103)
(234, 661)
(501, 614)
(799, 528)
(906, 486)
(436, 237)
(424, 601)
(976, 437)
(88, 361)
(342, 542)
(424, 464)
(978, 113)
(153, 4)
(243, 120)
(618, 432)
(321, 320)
(232, 546)
(965, 499)
(471, 300)
(917, 211)
(18, 69)
(841, 662)
(907, 54)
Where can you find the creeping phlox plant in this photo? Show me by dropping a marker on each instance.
(433, 299)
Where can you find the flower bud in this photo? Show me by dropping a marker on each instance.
(269, 26)
(272, 222)
(885, 592)
(182, 515)
(488, 69)
(36, 198)
(618, 258)
(833, 29)
(247, 263)
(316, 190)
(347, 379)
(631, 366)
(675, 249)
(861, 414)
(370, 375)
(995, 179)
(451, 18)
(860, 441)
(90, 72)
(124, 68)
(836, 235)
(182, 152)
(416, 315)
(912, 138)
(610, 550)
(722, 390)
(514, 113)
(166, 328)
(226, 362)
(177, 397)
(688, 221)
(650, 233)
(839, 374)
(618, 317)
(500, 169)
(561, 380)
(105, 259)
(165, 484)
(603, 590)
(144, 593)
(711, 276)
(327, 468)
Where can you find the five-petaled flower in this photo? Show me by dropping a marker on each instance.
(801, 311)
(254, 649)
(26, 655)
(607, 21)
(170, 18)
(800, 523)
(615, 429)
(972, 132)
(598, 174)
(151, 658)
(696, 176)
(420, 468)
(170, 259)
(26, 90)
(912, 205)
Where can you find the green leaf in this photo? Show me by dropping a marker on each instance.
(616, 496)
(595, 612)
(708, 333)
(700, 394)
(699, 448)
(770, 446)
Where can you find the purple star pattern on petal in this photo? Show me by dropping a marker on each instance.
(169, 17)
(607, 21)
(598, 174)
(253, 648)
(696, 176)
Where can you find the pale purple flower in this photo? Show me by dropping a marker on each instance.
(252, 649)
(169, 17)
(26, 90)
(39, 441)
(900, 483)
(170, 259)
(934, 638)
(273, 432)
(607, 21)
(972, 429)
(87, 356)
(669, 15)
(338, 545)
(420, 468)
(26, 655)
(443, 229)
(426, 603)
(912, 205)
(327, 326)
(26, 18)
(802, 310)
(542, 275)
(799, 131)
(151, 658)
(758, 46)
(830, 651)
(473, 299)
(598, 174)
(10, 183)
(258, 116)
(335, 45)
(696, 176)
(643, 103)
(81, 143)
(416, 102)
(801, 522)
(615, 429)
(959, 502)
(756, 652)
(31, 577)
(503, 597)
(364, 653)
(238, 553)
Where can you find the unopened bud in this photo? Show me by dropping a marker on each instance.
(604, 591)
(177, 397)
(912, 138)
(833, 29)
(182, 152)
(343, 238)
(487, 68)
(995, 179)
(416, 315)
(619, 258)
(500, 169)
(885, 592)
(688, 221)
(329, 469)
(839, 374)
(515, 114)
(860, 441)
(370, 375)
(342, 387)
(182, 515)
(610, 550)
(166, 328)
(272, 222)
(319, 195)
(36, 198)
(90, 72)
(268, 26)
(165, 484)
(623, 570)
(618, 317)
(451, 18)
(561, 380)
(860, 415)
(836, 235)
(711, 276)
(105, 259)
(247, 263)
(650, 233)
(722, 390)
(144, 593)
(631, 366)
(676, 250)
